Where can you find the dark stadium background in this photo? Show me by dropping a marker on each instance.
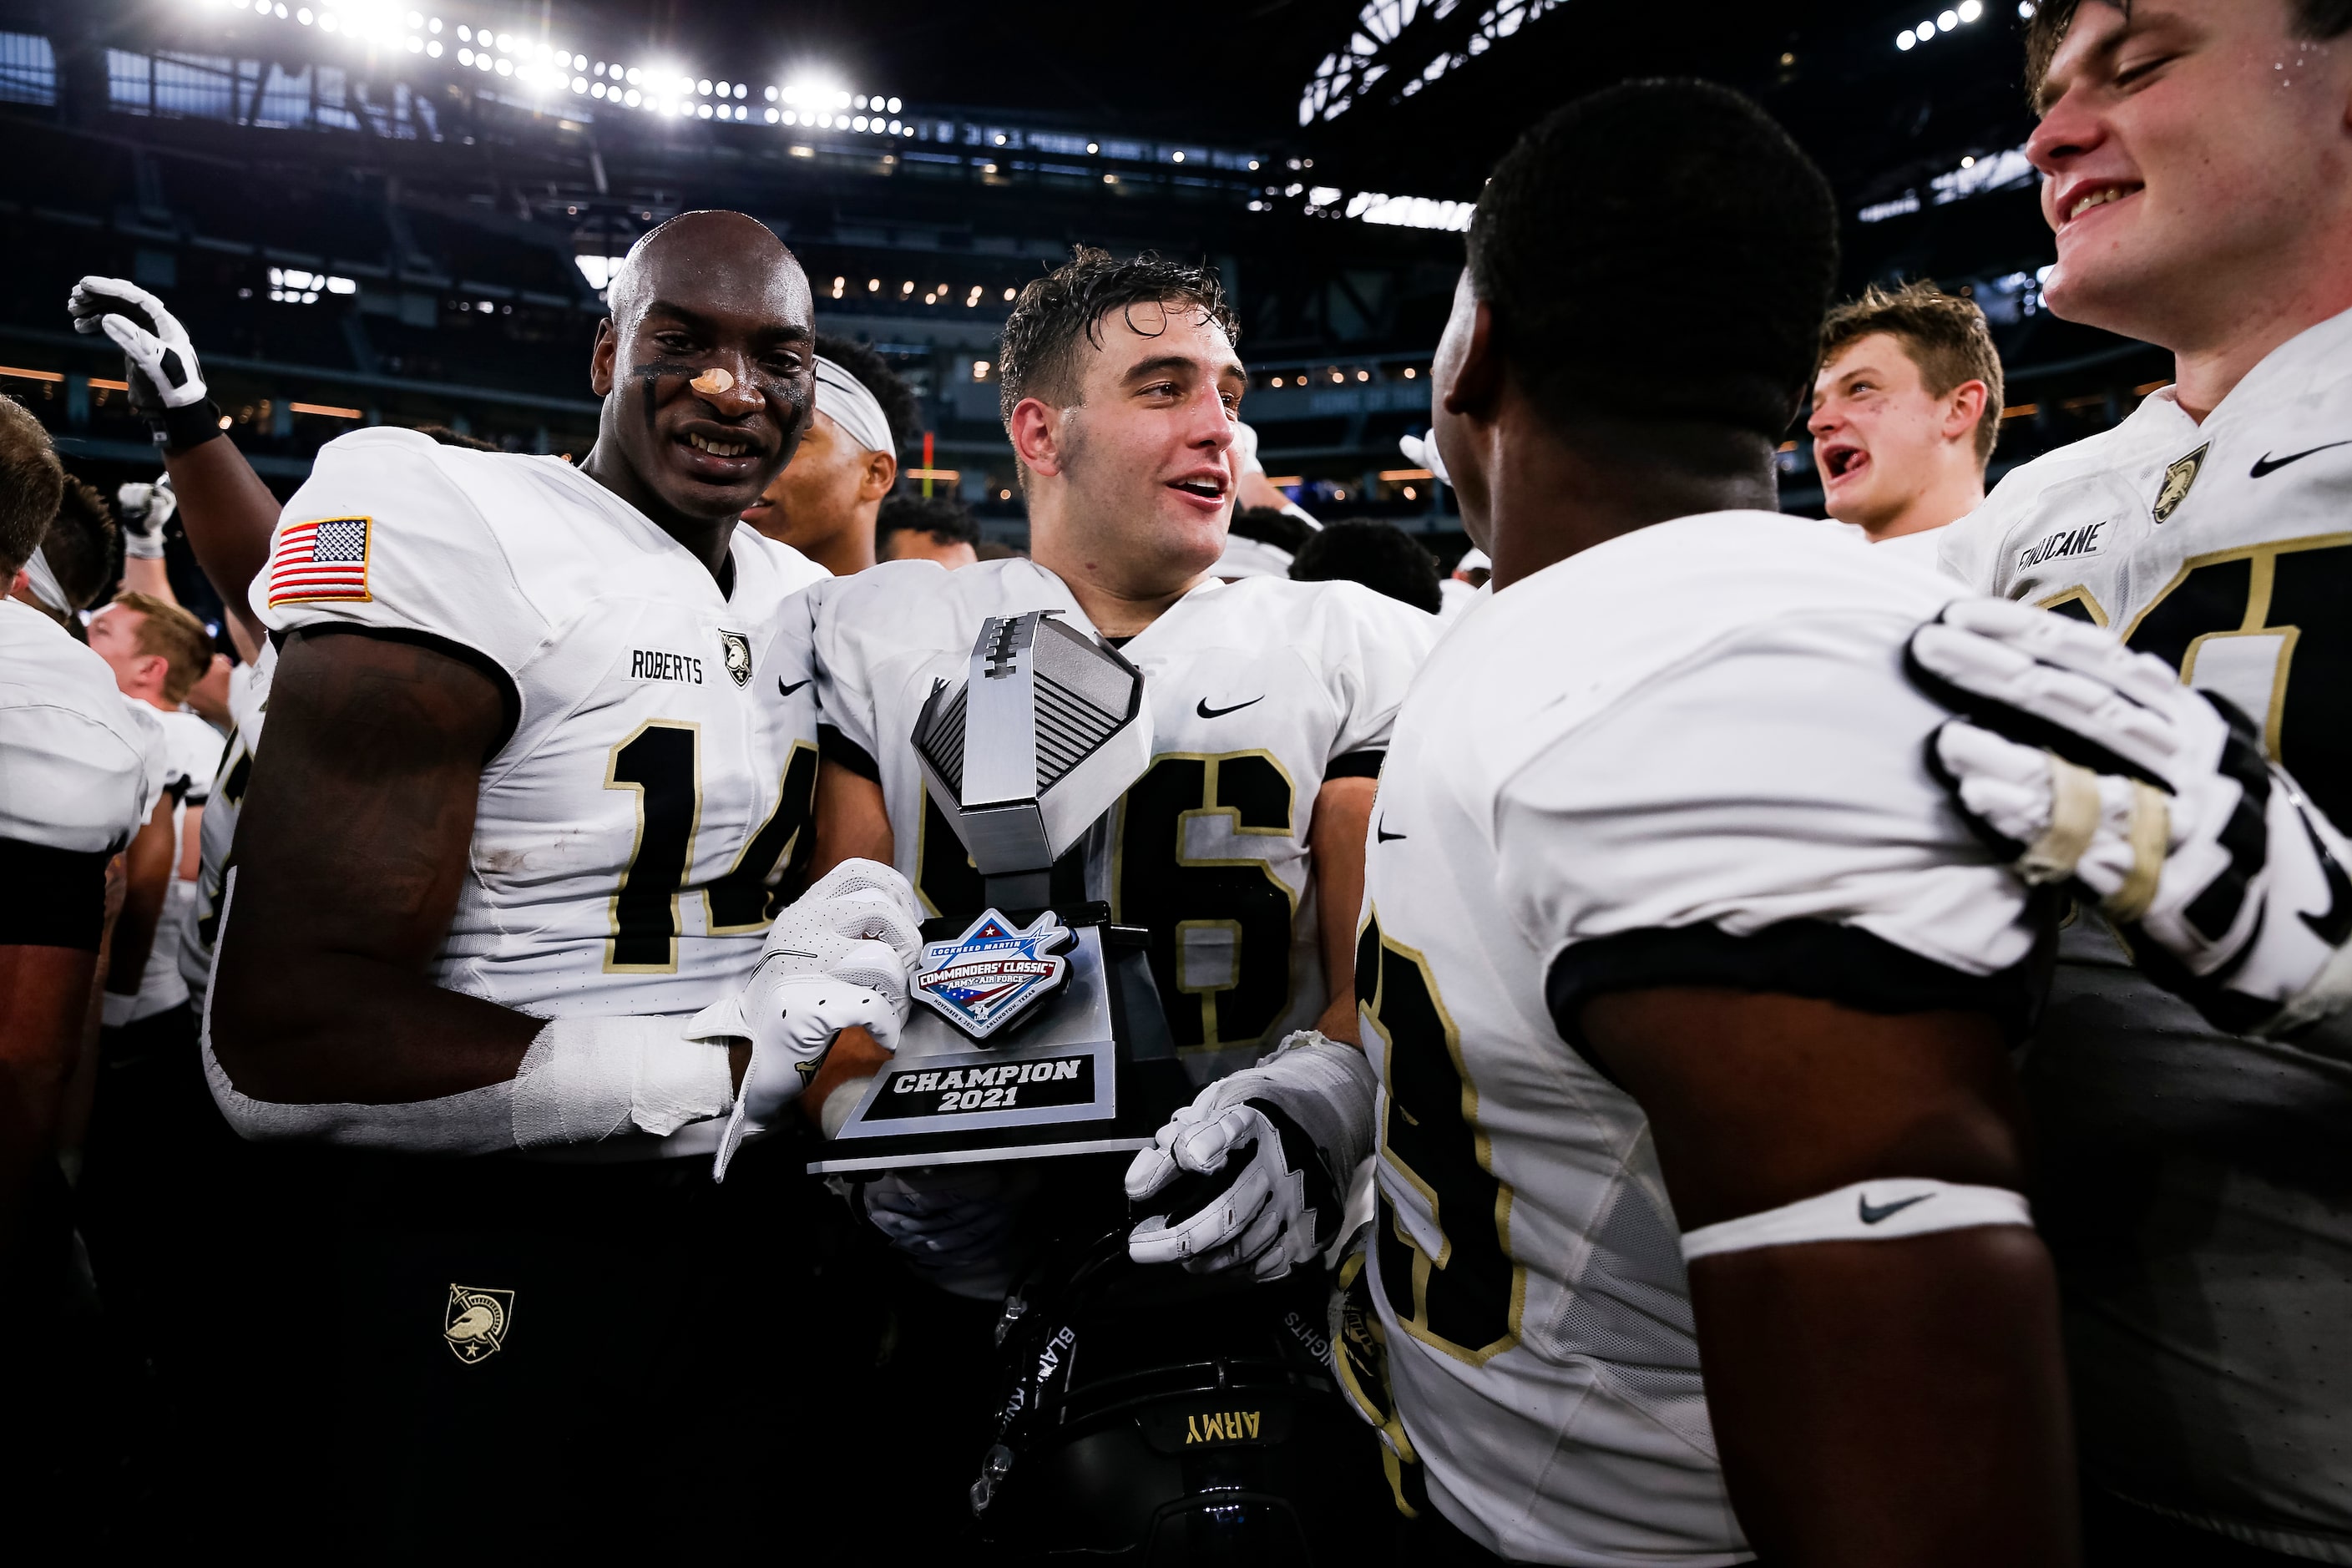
(356, 229)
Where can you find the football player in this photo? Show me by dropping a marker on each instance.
(82, 772)
(825, 504)
(1241, 850)
(504, 883)
(1689, 994)
(1906, 406)
(2196, 169)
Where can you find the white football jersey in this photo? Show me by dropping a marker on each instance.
(1258, 691)
(81, 765)
(1706, 766)
(248, 704)
(2225, 548)
(635, 827)
(195, 753)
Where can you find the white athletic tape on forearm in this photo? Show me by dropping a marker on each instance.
(479, 1121)
(2150, 837)
(585, 1079)
(2075, 813)
(1866, 1211)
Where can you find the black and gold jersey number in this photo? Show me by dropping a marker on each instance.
(661, 762)
(1220, 926)
(1465, 1298)
(2288, 606)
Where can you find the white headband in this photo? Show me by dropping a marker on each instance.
(843, 398)
(44, 585)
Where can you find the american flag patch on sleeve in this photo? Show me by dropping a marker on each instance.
(322, 560)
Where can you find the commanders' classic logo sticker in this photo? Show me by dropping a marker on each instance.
(475, 1323)
(738, 650)
(2176, 480)
(993, 973)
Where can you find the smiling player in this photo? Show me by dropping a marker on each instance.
(2196, 169)
(535, 780)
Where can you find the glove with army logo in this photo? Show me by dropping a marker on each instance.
(839, 956)
(2094, 767)
(1285, 1137)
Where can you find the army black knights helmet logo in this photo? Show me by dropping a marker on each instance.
(737, 648)
(2176, 480)
(475, 1323)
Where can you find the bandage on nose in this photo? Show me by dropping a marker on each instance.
(714, 381)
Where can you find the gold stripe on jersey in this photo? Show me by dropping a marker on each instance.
(2075, 595)
(1488, 1230)
(2263, 562)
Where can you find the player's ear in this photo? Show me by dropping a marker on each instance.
(602, 357)
(1964, 408)
(1036, 436)
(881, 473)
(1471, 379)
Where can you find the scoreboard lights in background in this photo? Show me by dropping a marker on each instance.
(1960, 16)
(543, 66)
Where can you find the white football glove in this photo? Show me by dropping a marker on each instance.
(2095, 766)
(1300, 1121)
(143, 509)
(838, 956)
(163, 362)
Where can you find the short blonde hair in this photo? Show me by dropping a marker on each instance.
(1945, 334)
(180, 638)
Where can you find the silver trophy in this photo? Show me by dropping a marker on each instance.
(1036, 1029)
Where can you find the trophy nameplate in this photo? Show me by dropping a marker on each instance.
(1035, 1031)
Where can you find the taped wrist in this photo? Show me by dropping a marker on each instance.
(1866, 1211)
(178, 429)
(586, 1079)
(479, 1121)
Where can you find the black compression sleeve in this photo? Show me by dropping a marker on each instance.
(1364, 764)
(836, 747)
(51, 898)
(1839, 964)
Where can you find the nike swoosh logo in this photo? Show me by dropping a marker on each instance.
(784, 690)
(2266, 464)
(1873, 1213)
(1382, 833)
(1205, 711)
(2335, 924)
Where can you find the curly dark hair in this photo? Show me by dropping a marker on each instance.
(1380, 555)
(1038, 357)
(897, 400)
(79, 548)
(1603, 246)
(944, 518)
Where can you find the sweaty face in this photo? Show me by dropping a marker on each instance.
(713, 365)
(1148, 454)
(816, 496)
(1876, 431)
(2191, 151)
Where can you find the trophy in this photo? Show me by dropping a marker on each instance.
(1035, 1030)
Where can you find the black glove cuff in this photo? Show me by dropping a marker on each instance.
(1300, 1152)
(178, 429)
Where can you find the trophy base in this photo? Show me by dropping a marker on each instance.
(1090, 1071)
